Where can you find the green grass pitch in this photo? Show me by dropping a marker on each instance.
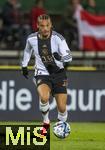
(84, 136)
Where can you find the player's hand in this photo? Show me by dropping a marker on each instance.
(25, 72)
(57, 56)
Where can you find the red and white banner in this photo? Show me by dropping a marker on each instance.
(91, 30)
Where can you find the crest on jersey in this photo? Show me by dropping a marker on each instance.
(44, 49)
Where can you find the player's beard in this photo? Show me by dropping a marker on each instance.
(45, 36)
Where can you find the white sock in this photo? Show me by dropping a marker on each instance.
(62, 116)
(45, 111)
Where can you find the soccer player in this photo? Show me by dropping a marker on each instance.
(51, 52)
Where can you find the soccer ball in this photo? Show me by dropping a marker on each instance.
(61, 129)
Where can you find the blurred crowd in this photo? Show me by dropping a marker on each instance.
(16, 25)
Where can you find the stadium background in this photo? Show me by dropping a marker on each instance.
(53, 6)
(86, 76)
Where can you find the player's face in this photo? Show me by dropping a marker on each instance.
(44, 27)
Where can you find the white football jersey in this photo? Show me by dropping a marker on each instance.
(43, 51)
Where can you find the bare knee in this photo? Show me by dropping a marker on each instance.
(44, 93)
(44, 97)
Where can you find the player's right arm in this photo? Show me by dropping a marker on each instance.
(26, 58)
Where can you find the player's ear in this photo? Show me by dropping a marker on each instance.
(50, 22)
(51, 25)
(37, 26)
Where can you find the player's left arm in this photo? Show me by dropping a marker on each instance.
(64, 51)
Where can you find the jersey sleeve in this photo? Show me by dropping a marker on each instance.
(64, 51)
(27, 54)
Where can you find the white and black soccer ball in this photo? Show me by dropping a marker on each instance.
(61, 129)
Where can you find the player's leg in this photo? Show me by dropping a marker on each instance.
(61, 100)
(44, 89)
(44, 95)
(60, 93)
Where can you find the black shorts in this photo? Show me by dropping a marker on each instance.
(57, 82)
